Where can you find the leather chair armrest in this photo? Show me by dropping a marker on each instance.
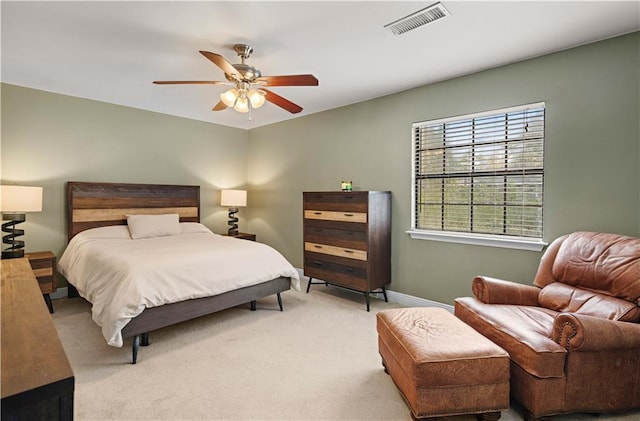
(581, 332)
(497, 291)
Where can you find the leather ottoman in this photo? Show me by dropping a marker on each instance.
(441, 365)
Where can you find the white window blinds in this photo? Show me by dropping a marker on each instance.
(481, 173)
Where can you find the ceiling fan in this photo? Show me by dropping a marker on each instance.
(249, 85)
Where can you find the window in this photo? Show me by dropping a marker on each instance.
(479, 178)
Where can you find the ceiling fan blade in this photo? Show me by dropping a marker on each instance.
(222, 63)
(189, 82)
(219, 106)
(289, 80)
(281, 102)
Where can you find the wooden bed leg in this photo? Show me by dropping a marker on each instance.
(136, 344)
(253, 305)
(279, 301)
(145, 339)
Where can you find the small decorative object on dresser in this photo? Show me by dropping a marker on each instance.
(43, 264)
(347, 240)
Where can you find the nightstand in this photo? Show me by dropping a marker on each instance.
(43, 264)
(243, 236)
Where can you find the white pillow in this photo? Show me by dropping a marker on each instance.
(148, 226)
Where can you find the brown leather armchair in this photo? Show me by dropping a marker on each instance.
(574, 336)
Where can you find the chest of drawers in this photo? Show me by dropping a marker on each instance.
(347, 239)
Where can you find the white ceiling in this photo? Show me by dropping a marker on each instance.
(112, 51)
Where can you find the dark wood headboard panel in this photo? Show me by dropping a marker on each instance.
(91, 205)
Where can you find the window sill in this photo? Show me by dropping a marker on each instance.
(518, 243)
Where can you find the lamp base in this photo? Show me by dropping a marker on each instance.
(12, 254)
(16, 248)
(233, 222)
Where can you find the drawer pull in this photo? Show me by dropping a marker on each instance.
(348, 269)
(348, 214)
(317, 263)
(317, 213)
(317, 246)
(348, 251)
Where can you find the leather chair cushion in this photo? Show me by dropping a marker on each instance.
(565, 298)
(525, 332)
(602, 262)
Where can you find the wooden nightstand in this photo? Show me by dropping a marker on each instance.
(43, 264)
(243, 236)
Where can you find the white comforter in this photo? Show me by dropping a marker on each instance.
(121, 276)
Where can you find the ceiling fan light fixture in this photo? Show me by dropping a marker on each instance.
(229, 97)
(247, 81)
(257, 98)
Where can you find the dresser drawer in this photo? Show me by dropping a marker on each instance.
(337, 201)
(336, 251)
(45, 279)
(336, 237)
(350, 277)
(340, 216)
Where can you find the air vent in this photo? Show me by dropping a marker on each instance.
(415, 20)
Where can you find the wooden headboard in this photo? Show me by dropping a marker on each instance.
(91, 205)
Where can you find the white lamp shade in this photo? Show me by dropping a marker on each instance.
(233, 198)
(21, 199)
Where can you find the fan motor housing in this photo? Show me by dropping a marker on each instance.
(248, 73)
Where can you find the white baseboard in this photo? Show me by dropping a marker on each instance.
(411, 301)
(60, 293)
(400, 298)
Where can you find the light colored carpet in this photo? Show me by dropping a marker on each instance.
(317, 360)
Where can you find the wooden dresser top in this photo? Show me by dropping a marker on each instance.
(32, 354)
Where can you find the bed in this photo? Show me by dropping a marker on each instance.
(97, 216)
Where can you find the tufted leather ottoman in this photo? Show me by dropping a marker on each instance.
(441, 365)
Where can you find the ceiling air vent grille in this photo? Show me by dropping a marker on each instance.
(415, 20)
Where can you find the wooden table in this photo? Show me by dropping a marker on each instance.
(37, 380)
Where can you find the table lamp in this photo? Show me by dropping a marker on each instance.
(233, 199)
(15, 202)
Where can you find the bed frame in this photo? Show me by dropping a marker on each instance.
(92, 205)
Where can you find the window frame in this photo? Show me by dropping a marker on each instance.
(493, 240)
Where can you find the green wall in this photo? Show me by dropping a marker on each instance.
(592, 160)
(49, 139)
